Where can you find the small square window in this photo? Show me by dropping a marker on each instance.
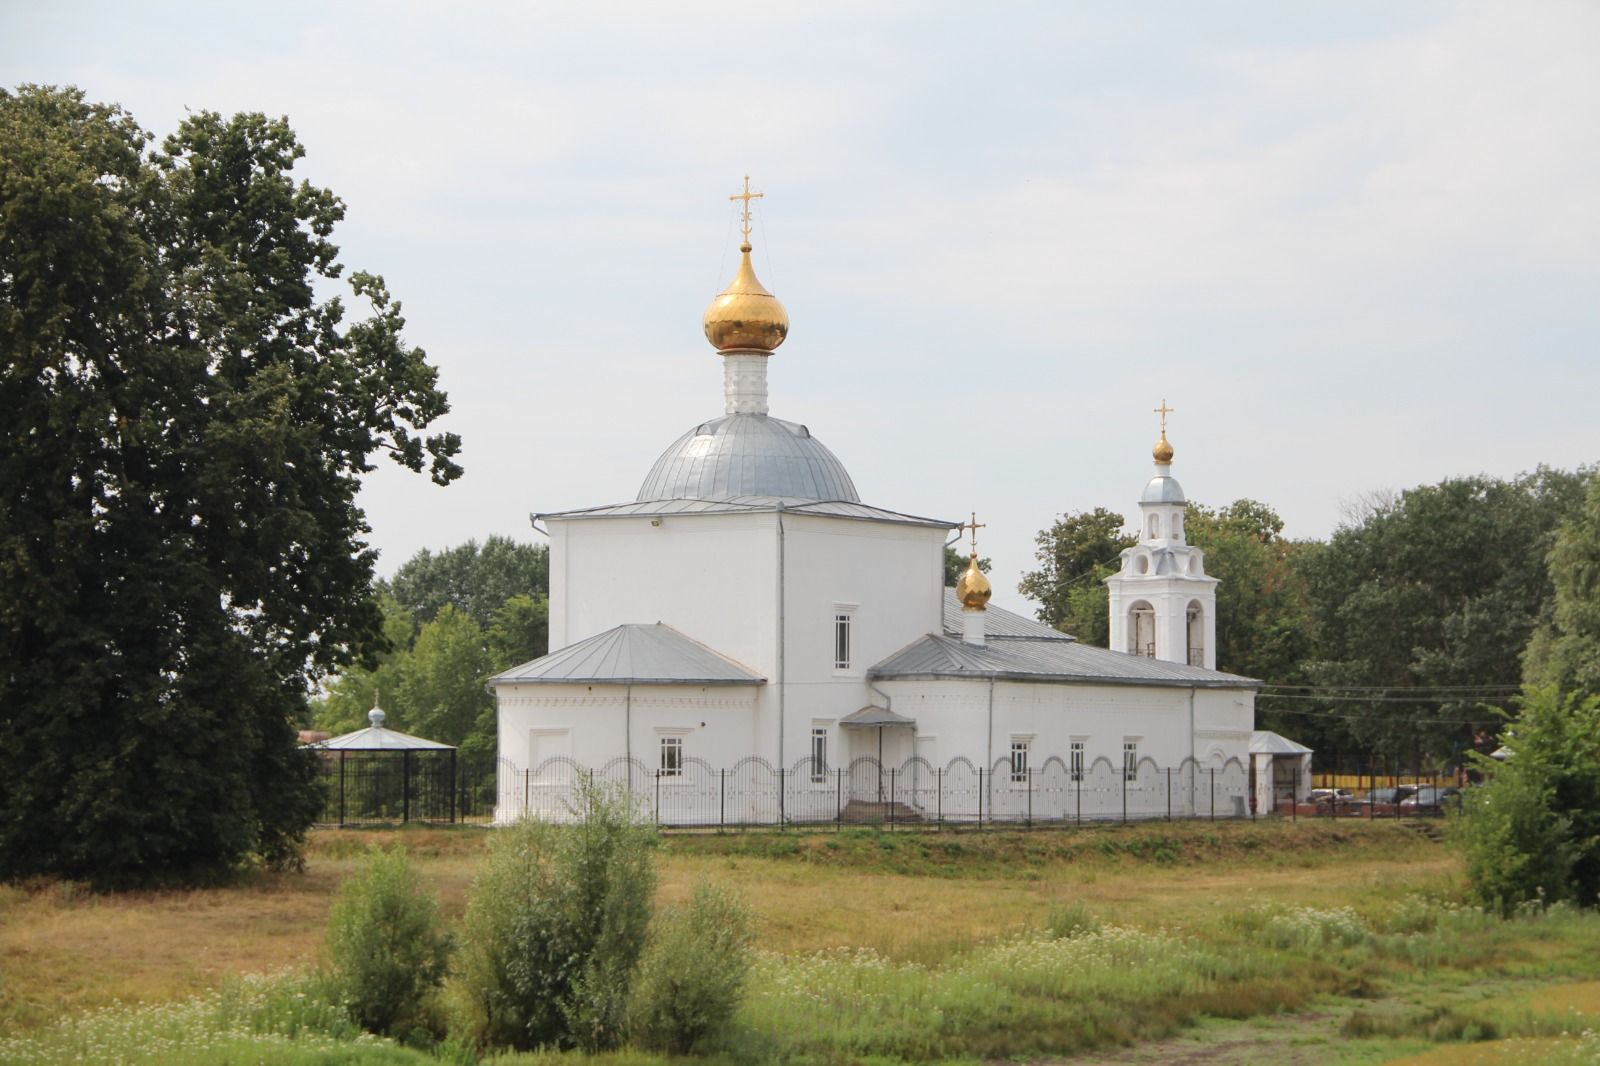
(671, 756)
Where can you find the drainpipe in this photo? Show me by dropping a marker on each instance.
(989, 752)
(780, 636)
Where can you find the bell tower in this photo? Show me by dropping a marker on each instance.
(1163, 606)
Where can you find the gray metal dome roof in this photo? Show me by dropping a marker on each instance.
(748, 455)
(1163, 488)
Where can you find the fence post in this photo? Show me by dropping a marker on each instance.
(980, 798)
(341, 789)
(1028, 774)
(722, 799)
(452, 786)
(938, 786)
(405, 788)
(1078, 789)
(658, 796)
(838, 796)
(1169, 793)
(780, 797)
(1213, 771)
(1124, 776)
(891, 797)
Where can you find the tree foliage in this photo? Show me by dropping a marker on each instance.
(1565, 651)
(955, 564)
(1076, 555)
(1262, 613)
(387, 944)
(474, 580)
(555, 925)
(184, 425)
(1442, 588)
(1532, 833)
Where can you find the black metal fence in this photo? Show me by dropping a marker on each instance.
(753, 792)
(377, 787)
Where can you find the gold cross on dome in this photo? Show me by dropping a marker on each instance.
(744, 218)
(1164, 411)
(974, 526)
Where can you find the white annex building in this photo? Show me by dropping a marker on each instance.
(748, 641)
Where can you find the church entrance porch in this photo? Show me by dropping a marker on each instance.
(883, 782)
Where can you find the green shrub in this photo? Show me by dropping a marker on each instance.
(693, 972)
(1532, 833)
(555, 924)
(1068, 920)
(386, 945)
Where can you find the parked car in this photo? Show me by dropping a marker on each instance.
(1388, 800)
(1431, 799)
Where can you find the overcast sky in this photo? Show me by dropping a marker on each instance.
(1355, 246)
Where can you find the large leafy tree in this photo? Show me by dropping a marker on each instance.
(1441, 588)
(474, 579)
(184, 425)
(1565, 650)
(1076, 555)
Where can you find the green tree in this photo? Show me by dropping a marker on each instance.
(1262, 615)
(955, 564)
(519, 631)
(1076, 555)
(361, 686)
(183, 426)
(1444, 586)
(1565, 650)
(475, 580)
(442, 681)
(387, 944)
(555, 925)
(1532, 833)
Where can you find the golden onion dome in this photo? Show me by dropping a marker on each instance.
(973, 588)
(745, 316)
(1163, 449)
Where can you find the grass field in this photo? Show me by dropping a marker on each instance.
(1169, 942)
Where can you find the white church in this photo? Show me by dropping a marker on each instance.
(747, 641)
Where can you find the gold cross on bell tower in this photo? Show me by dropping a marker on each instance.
(973, 526)
(1164, 411)
(744, 215)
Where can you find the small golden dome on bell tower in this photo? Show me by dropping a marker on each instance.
(745, 316)
(1162, 452)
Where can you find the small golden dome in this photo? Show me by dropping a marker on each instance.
(973, 589)
(745, 316)
(1163, 449)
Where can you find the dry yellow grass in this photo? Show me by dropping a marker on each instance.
(62, 949)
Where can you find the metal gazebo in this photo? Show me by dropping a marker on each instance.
(379, 774)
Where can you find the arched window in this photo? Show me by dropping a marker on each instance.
(1141, 564)
(1155, 527)
(1142, 630)
(1196, 630)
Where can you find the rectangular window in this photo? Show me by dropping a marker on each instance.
(819, 753)
(1130, 760)
(1019, 761)
(841, 639)
(671, 756)
(1077, 760)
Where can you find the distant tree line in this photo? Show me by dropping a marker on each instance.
(1395, 638)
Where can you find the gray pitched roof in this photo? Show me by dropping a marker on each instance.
(1000, 624)
(1042, 660)
(632, 655)
(378, 737)
(1266, 742)
(749, 504)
